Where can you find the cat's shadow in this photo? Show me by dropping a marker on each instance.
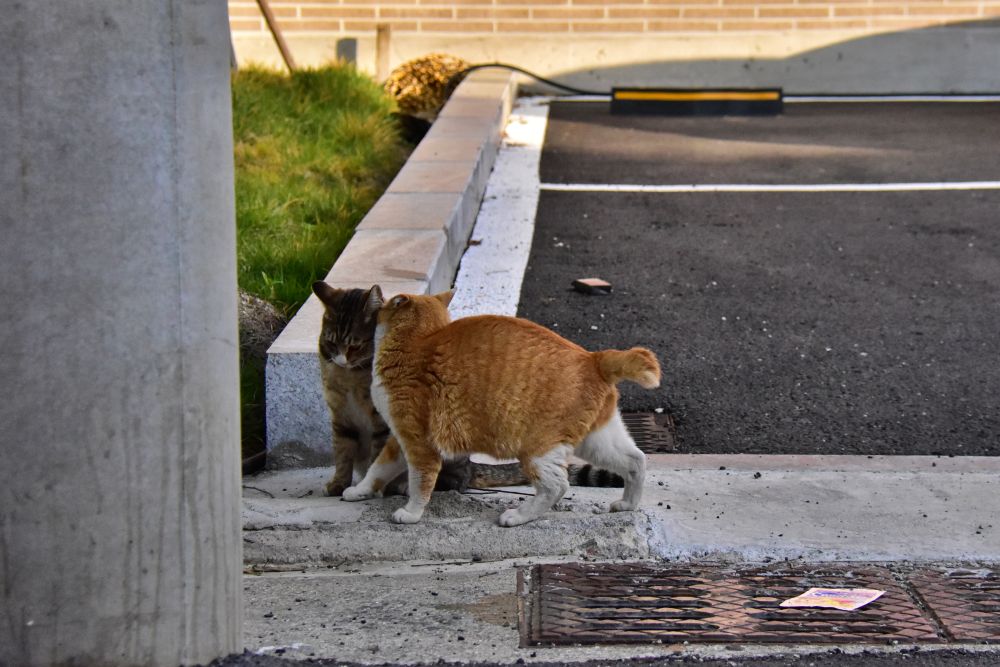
(444, 507)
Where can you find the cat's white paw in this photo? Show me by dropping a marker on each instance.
(620, 506)
(353, 493)
(514, 518)
(402, 515)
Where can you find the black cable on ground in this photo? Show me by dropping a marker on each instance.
(455, 79)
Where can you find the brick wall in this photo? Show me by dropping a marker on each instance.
(617, 17)
(804, 46)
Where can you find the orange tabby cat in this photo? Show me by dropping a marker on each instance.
(500, 386)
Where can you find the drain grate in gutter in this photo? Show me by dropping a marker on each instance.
(965, 602)
(652, 433)
(579, 603)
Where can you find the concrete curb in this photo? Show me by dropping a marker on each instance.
(721, 507)
(411, 241)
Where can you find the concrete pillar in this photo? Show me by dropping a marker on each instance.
(119, 454)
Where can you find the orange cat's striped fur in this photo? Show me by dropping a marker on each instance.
(500, 386)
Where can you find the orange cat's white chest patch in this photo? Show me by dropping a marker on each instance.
(380, 398)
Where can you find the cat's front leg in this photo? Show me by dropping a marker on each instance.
(345, 455)
(424, 464)
(387, 467)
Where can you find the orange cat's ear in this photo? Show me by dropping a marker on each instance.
(399, 300)
(373, 301)
(326, 294)
(445, 297)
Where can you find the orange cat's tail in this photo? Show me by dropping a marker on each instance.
(638, 365)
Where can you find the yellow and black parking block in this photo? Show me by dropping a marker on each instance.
(697, 102)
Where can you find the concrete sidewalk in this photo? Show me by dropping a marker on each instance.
(334, 579)
(695, 506)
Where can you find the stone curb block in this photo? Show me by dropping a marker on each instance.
(412, 241)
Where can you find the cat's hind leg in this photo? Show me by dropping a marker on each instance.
(548, 475)
(387, 467)
(611, 447)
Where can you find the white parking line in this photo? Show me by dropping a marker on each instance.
(799, 99)
(772, 187)
(492, 269)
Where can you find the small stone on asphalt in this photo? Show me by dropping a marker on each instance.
(592, 286)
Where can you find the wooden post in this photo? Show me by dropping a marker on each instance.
(272, 25)
(383, 38)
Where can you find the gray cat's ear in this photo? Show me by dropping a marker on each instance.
(326, 294)
(445, 297)
(373, 301)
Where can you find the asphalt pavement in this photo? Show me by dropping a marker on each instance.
(789, 322)
(807, 143)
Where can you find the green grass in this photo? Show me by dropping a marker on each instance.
(314, 150)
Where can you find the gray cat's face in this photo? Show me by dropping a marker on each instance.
(347, 337)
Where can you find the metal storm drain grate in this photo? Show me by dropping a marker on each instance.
(582, 603)
(965, 602)
(652, 433)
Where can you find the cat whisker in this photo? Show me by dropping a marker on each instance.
(361, 362)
